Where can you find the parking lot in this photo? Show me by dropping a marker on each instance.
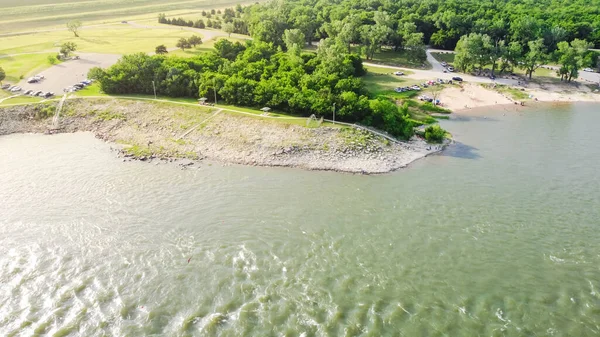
(66, 74)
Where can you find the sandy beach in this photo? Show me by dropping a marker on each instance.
(471, 95)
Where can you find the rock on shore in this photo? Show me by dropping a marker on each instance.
(148, 130)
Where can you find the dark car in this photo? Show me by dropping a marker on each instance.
(5, 86)
(456, 78)
(49, 94)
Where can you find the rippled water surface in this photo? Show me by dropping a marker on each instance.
(498, 236)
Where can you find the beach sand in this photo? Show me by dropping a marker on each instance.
(470, 95)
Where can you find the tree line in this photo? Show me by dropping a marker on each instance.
(476, 51)
(232, 22)
(258, 74)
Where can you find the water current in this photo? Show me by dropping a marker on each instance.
(497, 236)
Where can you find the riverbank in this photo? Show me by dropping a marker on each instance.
(160, 131)
(471, 95)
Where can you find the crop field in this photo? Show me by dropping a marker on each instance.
(36, 14)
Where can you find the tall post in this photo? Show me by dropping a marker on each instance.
(154, 87)
(215, 88)
(333, 113)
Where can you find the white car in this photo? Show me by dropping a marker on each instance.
(415, 87)
(444, 64)
(589, 70)
(15, 89)
(450, 69)
(398, 73)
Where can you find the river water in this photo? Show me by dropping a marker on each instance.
(498, 236)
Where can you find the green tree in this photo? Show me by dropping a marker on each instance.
(266, 31)
(473, 51)
(2, 75)
(497, 50)
(513, 54)
(194, 40)
(228, 28)
(227, 49)
(162, 49)
(183, 43)
(294, 40)
(67, 48)
(435, 134)
(73, 27)
(535, 57)
(52, 59)
(572, 58)
(415, 48)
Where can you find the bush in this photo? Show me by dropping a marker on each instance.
(428, 106)
(435, 134)
(52, 59)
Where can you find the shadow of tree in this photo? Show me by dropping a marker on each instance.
(461, 150)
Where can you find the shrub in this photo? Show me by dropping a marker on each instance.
(52, 59)
(435, 134)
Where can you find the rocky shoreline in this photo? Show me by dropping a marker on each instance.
(150, 131)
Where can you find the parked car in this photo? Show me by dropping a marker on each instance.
(41, 94)
(48, 94)
(32, 80)
(450, 69)
(444, 64)
(27, 92)
(5, 86)
(398, 73)
(37, 93)
(415, 87)
(15, 89)
(456, 78)
(589, 70)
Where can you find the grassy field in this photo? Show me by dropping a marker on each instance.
(204, 47)
(398, 58)
(24, 65)
(514, 93)
(36, 14)
(20, 100)
(382, 80)
(443, 57)
(112, 39)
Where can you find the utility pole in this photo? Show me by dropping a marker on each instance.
(333, 113)
(215, 88)
(154, 87)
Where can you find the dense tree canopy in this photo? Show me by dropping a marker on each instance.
(259, 74)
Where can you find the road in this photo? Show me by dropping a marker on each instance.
(436, 66)
(437, 71)
(62, 75)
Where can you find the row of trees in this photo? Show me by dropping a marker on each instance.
(441, 22)
(231, 22)
(476, 51)
(258, 74)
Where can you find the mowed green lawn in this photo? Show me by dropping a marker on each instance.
(382, 80)
(111, 39)
(443, 57)
(35, 14)
(23, 65)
